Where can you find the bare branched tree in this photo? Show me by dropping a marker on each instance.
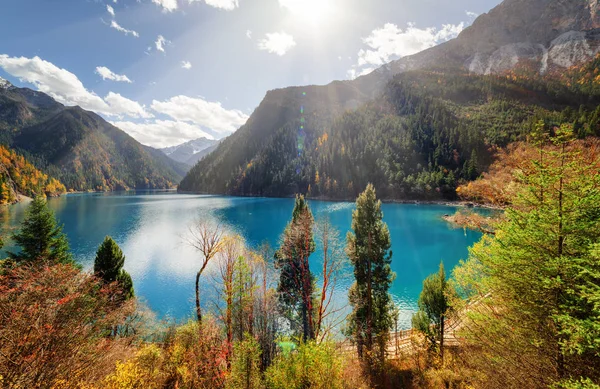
(208, 239)
(329, 316)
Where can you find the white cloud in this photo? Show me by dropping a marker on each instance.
(186, 65)
(110, 10)
(167, 5)
(122, 106)
(108, 74)
(190, 118)
(116, 26)
(59, 83)
(160, 43)
(277, 43)
(248, 34)
(391, 42)
(472, 15)
(162, 133)
(66, 88)
(200, 112)
(227, 5)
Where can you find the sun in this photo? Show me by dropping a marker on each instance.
(313, 11)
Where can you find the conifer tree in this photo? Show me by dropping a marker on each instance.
(296, 282)
(40, 237)
(434, 306)
(534, 286)
(108, 266)
(368, 248)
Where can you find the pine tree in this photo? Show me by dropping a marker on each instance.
(108, 266)
(296, 282)
(245, 366)
(40, 237)
(535, 285)
(434, 306)
(368, 248)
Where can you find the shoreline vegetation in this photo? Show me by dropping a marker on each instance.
(520, 312)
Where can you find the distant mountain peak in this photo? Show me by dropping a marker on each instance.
(5, 84)
(187, 151)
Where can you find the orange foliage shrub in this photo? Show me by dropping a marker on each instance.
(54, 323)
(500, 184)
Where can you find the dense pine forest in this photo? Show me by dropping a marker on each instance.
(520, 311)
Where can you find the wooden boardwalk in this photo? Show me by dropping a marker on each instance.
(401, 343)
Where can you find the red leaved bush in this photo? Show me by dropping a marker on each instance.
(54, 327)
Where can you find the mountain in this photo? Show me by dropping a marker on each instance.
(79, 147)
(460, 107)
(549, 35)
(189, 152)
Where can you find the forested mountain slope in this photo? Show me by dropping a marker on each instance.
(428, 130)
(19, 177)
(416, 134)
(79, 147)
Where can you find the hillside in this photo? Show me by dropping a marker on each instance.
(297, 139)
(428, 131)
(79, 147)
(19, 177)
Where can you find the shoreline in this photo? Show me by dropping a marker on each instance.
(449, 203)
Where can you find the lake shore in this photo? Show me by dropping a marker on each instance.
(449, 203)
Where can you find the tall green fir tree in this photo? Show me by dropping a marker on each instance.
(434, 308)
(369, 250)
(296, 283)
(534, 286)
(108, 266)
(40, 237)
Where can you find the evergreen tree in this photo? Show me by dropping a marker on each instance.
(434, 306)
(296, 282)
(535, 285)
(40, 237)
(369, 251)
(108, 266)
(245, 366)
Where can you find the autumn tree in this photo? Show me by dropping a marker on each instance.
(40, 237)
(266, 315)
(232, 249)
(296, 282)
(533, 287)
(208, 240)
(328, 314)
(368, 248)
(108, 266)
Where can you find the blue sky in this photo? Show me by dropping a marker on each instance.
(167, 71)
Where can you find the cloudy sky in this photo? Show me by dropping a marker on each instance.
(168, 71)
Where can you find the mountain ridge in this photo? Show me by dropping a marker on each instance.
(79, 147)
(278, 123)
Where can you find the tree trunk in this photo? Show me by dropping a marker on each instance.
(442, 329)
(198, 312)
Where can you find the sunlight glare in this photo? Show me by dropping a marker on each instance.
(314, 11)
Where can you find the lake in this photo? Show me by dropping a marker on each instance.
(151, 228)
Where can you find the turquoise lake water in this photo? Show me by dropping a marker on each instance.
(151, 229)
